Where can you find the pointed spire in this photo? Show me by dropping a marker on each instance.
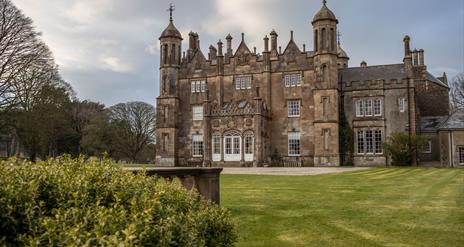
(324, 2)
(291, 35)
(243, 37)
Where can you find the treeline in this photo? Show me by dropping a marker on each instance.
(40, 115)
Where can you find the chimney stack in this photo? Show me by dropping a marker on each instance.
(363, 64)
(229, 44)
(421, 57)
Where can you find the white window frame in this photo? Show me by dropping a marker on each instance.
(461, 155)
(377, 107)
(359, 108)
(369, 141)
(360, 142)
(216, 147)
(402, 104)
(378, 148)
(197, 113)
(243, 82)
(293, 80)
(248, 146)
(197, 146)
(203, 86)
(294, 144)
(232, 146)
(368, 108)
(193, 86)
(198, 86)
(294, 108)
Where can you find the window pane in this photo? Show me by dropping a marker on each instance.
(193, 87)
(378, 142)
(378, 107)
(197, 145)
(216, 144)
(359, 108)
(294, 143)
(228, 145)
(360, 141)
(248, 144)
(369, 142)
(402, 104)
(197, 113)
(236, 145)
(293, 108)
(368, 107)
(461, 155)
(203, 86)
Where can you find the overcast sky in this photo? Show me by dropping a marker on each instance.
(108, 49)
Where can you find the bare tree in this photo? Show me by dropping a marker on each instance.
(457, 92)
(20, 50)
(134, 125)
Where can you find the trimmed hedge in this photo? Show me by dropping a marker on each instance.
(66, 202)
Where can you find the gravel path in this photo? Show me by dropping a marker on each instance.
(303, 171)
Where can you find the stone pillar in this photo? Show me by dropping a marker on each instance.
(258, 131)
(207, 135)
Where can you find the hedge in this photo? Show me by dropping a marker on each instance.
(74, 202)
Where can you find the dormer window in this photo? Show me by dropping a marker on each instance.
(243, 82)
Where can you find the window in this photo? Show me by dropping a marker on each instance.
(248, 144)
(378, 142)
(198, 86)
(359, 108)
(197, 145)
(228, 146)
(461, 155)
(368, 107)
(428, 147)
(360, 141)
(293, 108)
(369, 142)
(242, 82)
(402, 104)
(378, 107)
(216, 144)
(197, 113)
(325, 106)
(326, 139)
(294, 143)
(236, 145)
(293, 80)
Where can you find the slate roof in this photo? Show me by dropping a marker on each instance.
(380, 72)
(455, 121)
(384, 72)
(431, 123)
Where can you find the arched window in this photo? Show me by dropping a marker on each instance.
(173, 54)
(332, 39)
(324, 39)
(316, 40)
(232, 146)
(165, 54)
(325, 73)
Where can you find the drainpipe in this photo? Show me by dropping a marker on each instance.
(450, 148)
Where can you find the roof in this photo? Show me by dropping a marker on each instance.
(454, 121)
(431, 123)
(324, 14)
(432, 78)
(385, 72)
(342, 53)
(171, 32)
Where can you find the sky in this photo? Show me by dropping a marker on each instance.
(108, 50)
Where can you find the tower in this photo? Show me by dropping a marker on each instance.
(326, 93)
(168, 101)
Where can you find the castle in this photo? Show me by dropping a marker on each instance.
(294, 107)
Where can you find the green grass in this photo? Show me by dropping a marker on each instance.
(378, 207)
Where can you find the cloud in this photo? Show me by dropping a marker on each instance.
(115, 64)
(88, 11)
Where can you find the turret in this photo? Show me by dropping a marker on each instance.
(343, 58)
(325, 31)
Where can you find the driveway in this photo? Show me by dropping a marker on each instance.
(300, 171)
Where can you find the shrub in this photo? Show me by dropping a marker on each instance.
(66, 202)
(401, 148)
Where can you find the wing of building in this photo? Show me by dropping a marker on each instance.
(291, 106)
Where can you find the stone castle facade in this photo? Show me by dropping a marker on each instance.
(288, 106)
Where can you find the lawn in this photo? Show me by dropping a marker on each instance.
(377, 207)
